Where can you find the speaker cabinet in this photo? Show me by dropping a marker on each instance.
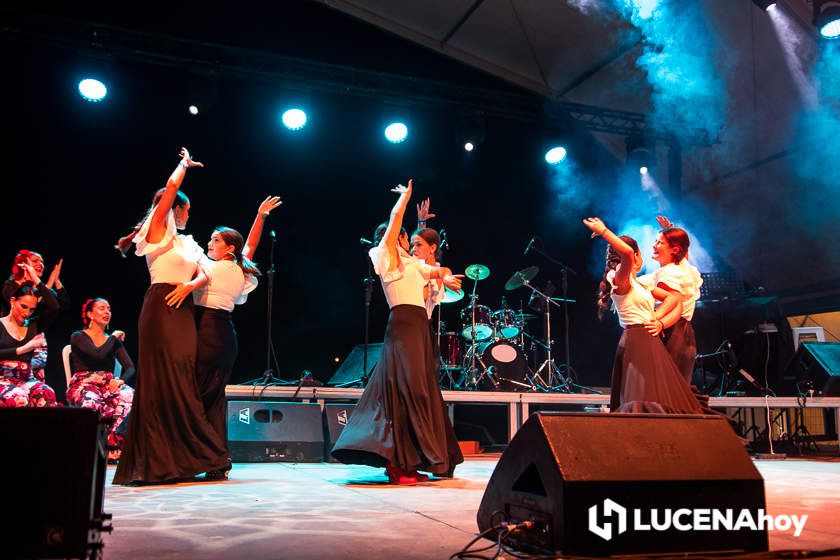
(54, 465)
(819, 364)
(588, 484)
(335, 418)
(260, 431)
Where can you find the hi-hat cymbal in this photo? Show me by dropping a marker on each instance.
(450, 297)
(477, 272)
(519, 278)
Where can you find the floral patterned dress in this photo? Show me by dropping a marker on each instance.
(22, 381)
(93, 384)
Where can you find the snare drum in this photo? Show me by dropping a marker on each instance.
(507, 324)
(483, 322)
(450, 351)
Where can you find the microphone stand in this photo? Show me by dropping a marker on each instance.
(268, 377)
(368, 282)
(564, 279)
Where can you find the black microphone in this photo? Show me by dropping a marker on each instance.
(366, 242)
(528, 248)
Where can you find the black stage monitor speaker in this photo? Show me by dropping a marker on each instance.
(261, 431)
(350, 371)
(818, 363)
(608, 484)
(336, 416)
(54, 462)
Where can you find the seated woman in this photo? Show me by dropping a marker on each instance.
(19, 277)
(92, 358)
(23, 347)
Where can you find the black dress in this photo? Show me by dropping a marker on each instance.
(168, 436)
(401, 417)
(216, 356)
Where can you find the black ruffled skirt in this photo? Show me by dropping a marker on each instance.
(401, 418)
(645, 378)
(168, 436)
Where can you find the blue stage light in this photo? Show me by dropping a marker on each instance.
(643, 170)
(555, 155)
(396, 132)
(827, 18)
(92, 90)
(294, 119)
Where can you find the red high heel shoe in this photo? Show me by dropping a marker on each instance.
(398, 476)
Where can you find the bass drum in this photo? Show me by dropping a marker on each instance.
(505, 363)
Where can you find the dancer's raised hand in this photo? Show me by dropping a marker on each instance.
(185, 157)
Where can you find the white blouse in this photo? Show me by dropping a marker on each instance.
(636, 306)
(173, 259)
(436, 293)
(227, 287)
(683, 278)
(404, 284)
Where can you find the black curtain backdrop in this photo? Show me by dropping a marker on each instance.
(78, 175)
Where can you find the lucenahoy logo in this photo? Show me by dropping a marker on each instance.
(617, 520)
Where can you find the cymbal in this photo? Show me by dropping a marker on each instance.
(519, 278)
(450, 297)
(477, 272)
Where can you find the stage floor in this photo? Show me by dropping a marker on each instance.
(323, 510)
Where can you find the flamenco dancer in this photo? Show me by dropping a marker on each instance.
(231, 277)
(93, 355)
(168, 437)
(23, 346)
(644, 377)
(677, 276)
(400, 422)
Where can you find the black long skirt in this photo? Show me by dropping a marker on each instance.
(168, 436)
(645, 378)
(217, 351)
(682, 346)
(401, 417)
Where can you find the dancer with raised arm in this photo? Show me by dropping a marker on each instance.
(168, 437)
(231, 277)
(400, 422)
(644, 377)
(677, 276)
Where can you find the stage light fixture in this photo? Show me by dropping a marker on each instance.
(193, 110)
(640, 153)
(765, 4)
(470, 130)
(396, 132)
(294, 119)
(92, 90)
(827, 18)
(555, 155)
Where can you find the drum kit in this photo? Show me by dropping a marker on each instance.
(488, 352)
